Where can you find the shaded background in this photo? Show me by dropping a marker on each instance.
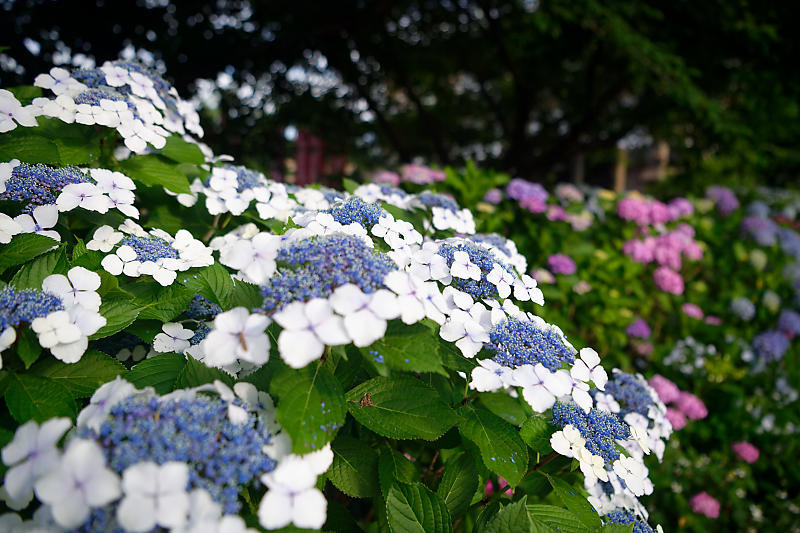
(684, 92)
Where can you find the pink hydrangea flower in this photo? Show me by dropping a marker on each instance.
(746, 451)
(668, 280)
(676, 418)
(713, 320)
(667, 391)
(691, 406)
(555, 212)
(643, 348)
(385, 176)
(542, 275)
(693, 311)
(705, 504)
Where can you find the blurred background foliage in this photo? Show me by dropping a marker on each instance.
(550, 90)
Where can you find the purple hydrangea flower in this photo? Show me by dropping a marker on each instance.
(561, 264)
(639, 329)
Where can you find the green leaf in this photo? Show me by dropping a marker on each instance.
(155, 171)
(246, 294)
(452, 357)
(508, 408)
(411, 348)
(183, 152)
(213, 283)
(536, 432)
(119, 314)
(81, 379)
(28, 347)
(459, 483)
(512, 517)
(195, 373)
(31, 275)
(354, 470)
(160, 303)
(576, 503)
(79, 249)
(559, 517)
(394, 466)
(23, 248)
(617, 528)
(310, 405)
(400, 407)
(36, 398)
(413, 508)
(29, 149)
(145, 329)
(502, 450)
(160, 372)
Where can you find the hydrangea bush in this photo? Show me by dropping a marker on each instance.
(700, 294)
(189, 346)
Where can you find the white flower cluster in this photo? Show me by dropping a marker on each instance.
(13, 113)
(148, 495)
(66, 333)
(155, 253)
(122, 95)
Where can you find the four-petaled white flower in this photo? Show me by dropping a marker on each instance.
(466, 331)
(502, 279)
(525, 289)
(588, 368)
(237, 335)
(81, 481)
(592, 466)
(489, 376)
(42, 218)
(154, 496)
(365, 315)
(104, 239)
(103, 400)
(291, 497)
(255, 258)
(540, 387)
(427, 264)
(463, 268)
(639, 434)
(85, 195)
(59, 80)
(12, 113)
(175, 338)
(633, 473)
(307, 328)
(55, 328)
(568, 441)
(31, 454)
(123, 260)
(579, 392)
(78, 287)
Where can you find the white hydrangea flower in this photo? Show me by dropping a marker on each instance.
(12, 113)
(365, 315)
(154, 495)
(592, 466)
(588, 368)
(463, 268)
(489, 376)
(307, 328)
(81, 481)
(85, 195)
(634, 473)
(568, 441)
(237, 335)
(104, 239)
(8, 228)
(174, 338)
(466, 331)
(540, 386)
(31, 454)
(78, 287)
(254, 258)
(103, 400)
(40, 221)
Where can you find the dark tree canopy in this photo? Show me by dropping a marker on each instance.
(525, 86)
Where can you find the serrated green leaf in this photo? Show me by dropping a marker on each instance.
(412, 508)
(23, 248)
(29, 149)
(452, 357)
(459, 483)
(412, 348)
(575, 502)
(536, 432)
(504, 406)
(28, 347)
(119, 314)
(79, 249)
(155, 171)
(394, 467)
(36, 398)
(354, 470)
(195, 373)
(160, 303)
(213, 283)
(81, 379)
(183, 152)
(502, 450)
(31, 275)
(512, 517)
(310, 405)
(400, 407)
(559, 517)
(246, 294)
(160, 372)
